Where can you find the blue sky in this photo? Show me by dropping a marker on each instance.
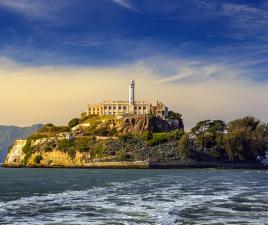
(183, 42)
(110, 32)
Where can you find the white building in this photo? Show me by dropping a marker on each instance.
(131, 106)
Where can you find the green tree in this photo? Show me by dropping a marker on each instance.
(73, 122)
(246, 139)
(184, 146)
(208, 132)
(176, 116)
(38, 159)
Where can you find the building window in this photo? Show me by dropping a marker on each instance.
(114, 107)
(139, 107)
(144, 108)
(119, 107)
(105, 107)
(125, 107)
(110, 107)
(135, 107)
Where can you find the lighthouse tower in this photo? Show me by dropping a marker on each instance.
(131, 99)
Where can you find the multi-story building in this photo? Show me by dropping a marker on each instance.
(131, 106)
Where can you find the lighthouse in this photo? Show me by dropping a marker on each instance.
(131, 99)
(127, 107)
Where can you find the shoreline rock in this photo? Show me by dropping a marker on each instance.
(148, 165)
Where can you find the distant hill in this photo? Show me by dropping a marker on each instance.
(8, 134)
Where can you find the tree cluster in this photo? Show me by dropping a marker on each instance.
(243, 139)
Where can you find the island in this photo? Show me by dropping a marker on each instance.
(137, 134)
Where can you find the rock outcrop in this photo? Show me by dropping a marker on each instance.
(97, 141)
(8, 134)
(15, 156)
(57, 158)
(140, 124)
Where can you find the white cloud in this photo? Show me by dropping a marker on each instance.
(245, 20)
(35, 9)
(125, 4)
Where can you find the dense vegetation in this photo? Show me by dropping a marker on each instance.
(173, 116)
(241, 140)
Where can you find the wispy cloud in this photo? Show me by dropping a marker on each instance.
(125, 4)
(35, 9)
(188, 71)
(244, 20)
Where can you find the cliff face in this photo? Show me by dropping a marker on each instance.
(140, 124)
(57, 158)
(110, 126)
(16, 155)
(96, 142)
(8, 134)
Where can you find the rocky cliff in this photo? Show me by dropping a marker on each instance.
(8, 134)
(98, 141)
(140, 124)
(57, 158)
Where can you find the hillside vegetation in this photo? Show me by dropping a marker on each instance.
(145, 138)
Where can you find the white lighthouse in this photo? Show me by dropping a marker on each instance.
(131, 99)
(127, 107)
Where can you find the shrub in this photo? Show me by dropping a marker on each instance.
(113, 132)
(72, 152)
(27, 150)
(125, 137)
(97, 151)
(48, 148)
(124, 156)
(145, 136)
(184, 146)
(83, 144)
(176, 134)
(93, 130)
(65, 144)
(47, 128)
(73, 122)
(36, 136)
(159, 138)
(61, 129)
(84, 117)
(38, 159)
(50, 129)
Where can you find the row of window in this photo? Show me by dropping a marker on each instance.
(114, 107)
(119, 108)
(111, 113)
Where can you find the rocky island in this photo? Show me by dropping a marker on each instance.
(136, 134)
(142, 142)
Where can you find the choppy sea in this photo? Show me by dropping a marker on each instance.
(100, 196)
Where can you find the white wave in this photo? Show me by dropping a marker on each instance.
(158, 200)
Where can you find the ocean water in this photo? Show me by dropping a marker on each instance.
(95, 196)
